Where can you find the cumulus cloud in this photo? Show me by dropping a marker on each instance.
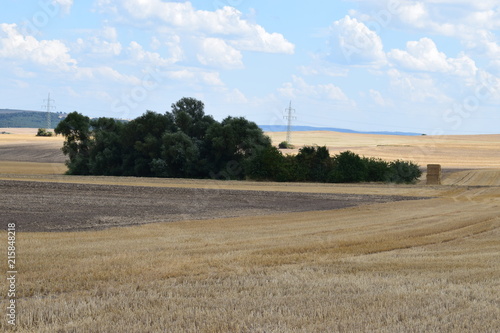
(139, 55)
(106, 73)
(102, 44)
(417, 87)
(226, 21)
(424, 56)
(195, 77)
(51, 54)
(299, 87)
(216, 52)
(351, 42)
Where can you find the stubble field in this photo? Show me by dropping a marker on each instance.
(211, 256)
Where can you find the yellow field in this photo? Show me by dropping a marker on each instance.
(413, 266)
(31, 168)
(473, 151)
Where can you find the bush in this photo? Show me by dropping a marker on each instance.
(43, 132)
(377, 169)
(267, 164)
(403, 172)
(313, 164)
(285, 145)
(348, 168)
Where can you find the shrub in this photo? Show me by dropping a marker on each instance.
(43, 132)
(267, 164)
(313, 164)
(285, 145)
(403, 172)
(348, 168)
(377, 169)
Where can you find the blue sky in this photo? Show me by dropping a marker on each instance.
(430, 66)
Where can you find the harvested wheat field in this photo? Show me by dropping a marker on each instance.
(104, 254)
(452, 151)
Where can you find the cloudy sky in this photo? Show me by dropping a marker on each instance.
(429, 66)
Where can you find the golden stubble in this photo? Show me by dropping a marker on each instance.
(406, 266)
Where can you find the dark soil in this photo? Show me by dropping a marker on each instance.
(40, 206)
(38, 152)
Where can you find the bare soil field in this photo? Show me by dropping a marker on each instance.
(23, 145)
(215, 256)
(76, 207)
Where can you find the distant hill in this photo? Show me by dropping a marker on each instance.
(283, 128)
(28, 119)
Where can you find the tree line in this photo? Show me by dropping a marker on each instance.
(30, 119)
(187, 143)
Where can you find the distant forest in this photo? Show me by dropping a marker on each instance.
(28, 119)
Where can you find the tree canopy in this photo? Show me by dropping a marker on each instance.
(187, 143)
(183, 143)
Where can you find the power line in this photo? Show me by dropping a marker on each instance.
(289, 117)
(48, 107)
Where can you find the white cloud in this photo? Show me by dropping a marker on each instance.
(226, 21)
(138, 54)
(216, 52)
(195, 77)
(299, 87)
(376, 96)
(424, 56)
(211, 78)
(98, 47)
(417, 88)
(484, 45)
(100, 43)
(155, 43)
(105, 73)
(236, 96)
(351, 42)
(110, 33)
(452, 18)
(261, 41)
(51, 54)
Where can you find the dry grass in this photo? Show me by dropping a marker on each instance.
(412, 266)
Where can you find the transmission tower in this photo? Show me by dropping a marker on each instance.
(48, 107)
(289, 117)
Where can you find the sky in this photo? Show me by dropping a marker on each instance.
(429, 66)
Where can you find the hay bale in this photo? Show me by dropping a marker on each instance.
(433, 174)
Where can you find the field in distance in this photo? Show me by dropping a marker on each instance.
(426, 265)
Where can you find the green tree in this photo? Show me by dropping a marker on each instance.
(142, 142)
(267, 164)
(189, 117)
(106, 153)
(179, 156)
(377, 169)
(76, 129)
(403, 172)
(313, 164)
(348, 168)
(230, 143)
